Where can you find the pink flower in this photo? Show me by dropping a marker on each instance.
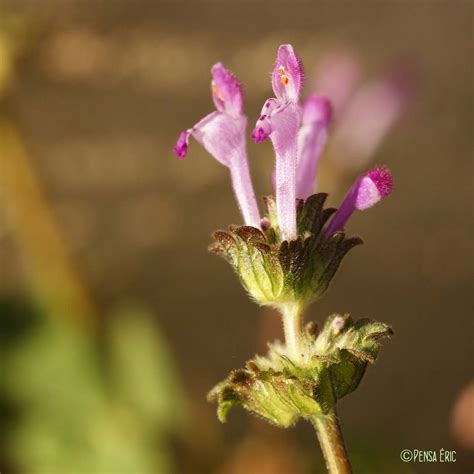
(364, 113)
(367, 191)
(372, 112)
(222, 133)
(312, 137)
(280, 120)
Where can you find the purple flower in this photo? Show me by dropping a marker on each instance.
(312, 137)
(280, 120)
(367, 191)
(222, 133)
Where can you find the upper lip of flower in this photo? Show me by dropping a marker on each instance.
(227, 91)
(287, 76)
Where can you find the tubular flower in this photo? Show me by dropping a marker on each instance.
(222, 133)
(280, 120)
(371, 114)
(312, 137)
(364, 112)
(367, 191)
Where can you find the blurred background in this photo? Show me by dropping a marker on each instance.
(115, 321)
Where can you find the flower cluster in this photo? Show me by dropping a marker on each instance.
(292, 253)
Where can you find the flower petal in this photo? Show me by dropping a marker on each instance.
(287, 76)
(280, 121)
(285, 123)
(226, 91)
(312, 137)
(221, 135)
(263, 127)
(181, 147)
(243, 188)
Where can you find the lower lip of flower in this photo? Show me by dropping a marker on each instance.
(258, 135)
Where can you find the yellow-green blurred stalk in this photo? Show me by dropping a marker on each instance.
(47, 262)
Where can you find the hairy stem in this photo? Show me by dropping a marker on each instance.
(332, 443)
(292, 326)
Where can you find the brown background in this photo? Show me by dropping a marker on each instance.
(101, 93)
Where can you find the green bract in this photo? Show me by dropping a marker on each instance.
(280, 391)
(276, 272)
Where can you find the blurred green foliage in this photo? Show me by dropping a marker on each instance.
(89, 404)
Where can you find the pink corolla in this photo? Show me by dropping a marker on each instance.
(312, 137)
(367, 191)
(280, 120)
(298, 134)
(222, 133)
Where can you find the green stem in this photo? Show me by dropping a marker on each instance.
(332, 444)
(292, 326)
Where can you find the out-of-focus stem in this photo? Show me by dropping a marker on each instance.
(332, 443)
(35, 229)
